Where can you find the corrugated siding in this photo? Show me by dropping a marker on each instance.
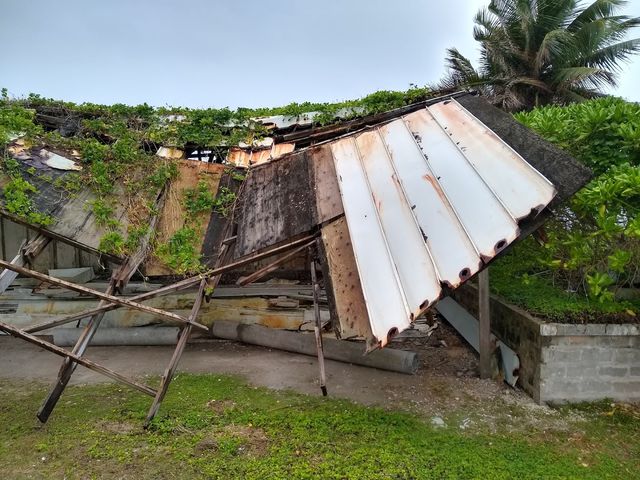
(428, 199)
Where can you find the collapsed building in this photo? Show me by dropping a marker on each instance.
(377, 217)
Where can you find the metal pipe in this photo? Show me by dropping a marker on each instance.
(128, 336)
(343, 351)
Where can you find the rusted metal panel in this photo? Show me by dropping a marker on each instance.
(415, 271)
(386, 304)
(346, 290)
(325, 184)
(483, 216)
(429, 198)
(453, 253)
(501, 167)
(246, 157)
(277, 203)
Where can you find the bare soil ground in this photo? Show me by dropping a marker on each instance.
(446, 384)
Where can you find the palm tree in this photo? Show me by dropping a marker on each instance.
(535, 52)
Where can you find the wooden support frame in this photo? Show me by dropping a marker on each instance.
(110, 302)
(484, 318)
(101, 295)
(27, 252)
(317, 328)
(96, 367)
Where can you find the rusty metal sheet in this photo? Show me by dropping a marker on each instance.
(344, 283)
(501, 167)
(388, 310)
(453, 253)
(246, 157)
(325, 184)
(429, 198)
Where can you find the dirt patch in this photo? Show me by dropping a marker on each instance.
(443, 352)
(122, 428)
(221, 406)
(253, 441)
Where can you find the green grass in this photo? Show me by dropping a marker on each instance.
(519, 278)
(218, 427)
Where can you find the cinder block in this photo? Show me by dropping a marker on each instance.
(600, 387)
(596, 355)
(628, 356)
(556, 354)
(634, 371)
(629, 389)
(614, 371)
(552, 371)
(75, 275)
(579, 372)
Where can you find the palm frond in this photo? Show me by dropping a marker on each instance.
(598, 9)
(609, 57)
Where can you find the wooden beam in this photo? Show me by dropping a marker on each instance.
(101, 295)
(27, 252)
(68, 366)
(16, 332)
(173, 363)
(317, 329)
(257, 275)
(484, 317)
(205, 284)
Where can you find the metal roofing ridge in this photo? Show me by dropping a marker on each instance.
(437, 180)
(382, 230)
(509, 147)
(473, 167)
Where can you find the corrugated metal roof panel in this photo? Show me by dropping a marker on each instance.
(244, 158)
(428, 198)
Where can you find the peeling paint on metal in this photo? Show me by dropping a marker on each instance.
(59, 162)
(244, 158)
(429, 198)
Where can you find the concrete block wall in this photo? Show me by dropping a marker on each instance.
(589, 362)
(565, 362)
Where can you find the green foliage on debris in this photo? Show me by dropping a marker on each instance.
(592, 244)
(182, 252)
(116, 145)
(217, 427)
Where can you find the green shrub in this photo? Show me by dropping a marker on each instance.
(593, 242)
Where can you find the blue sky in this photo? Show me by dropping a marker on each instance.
(235, 53)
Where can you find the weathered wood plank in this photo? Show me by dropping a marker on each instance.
(345, 290)
(172, 216)
(277, 203)
(325, 184)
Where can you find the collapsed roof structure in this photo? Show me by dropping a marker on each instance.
(397, 209)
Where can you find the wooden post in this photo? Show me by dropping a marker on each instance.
(173, 363)
(69, 365)
(318, 329)
(484, 317)
(205, 284)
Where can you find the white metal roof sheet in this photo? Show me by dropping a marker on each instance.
(428, 199)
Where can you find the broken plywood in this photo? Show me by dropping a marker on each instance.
(345, 288)
(172, 217)
(287, 197)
